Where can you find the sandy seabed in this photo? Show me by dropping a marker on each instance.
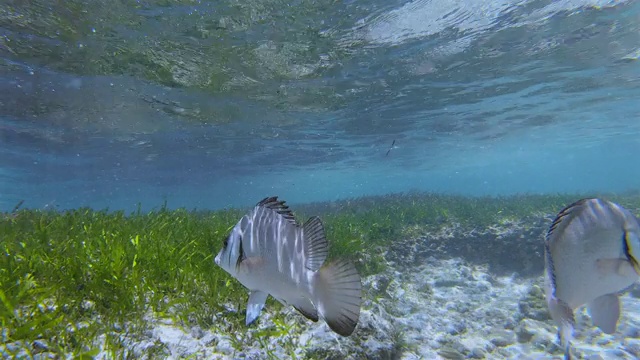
(429, 304)
(452, 294)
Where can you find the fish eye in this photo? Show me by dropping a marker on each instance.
(225, 243)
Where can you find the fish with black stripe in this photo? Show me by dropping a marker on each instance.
(270, 253)
(592, 250)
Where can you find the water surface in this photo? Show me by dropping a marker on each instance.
(211, 104)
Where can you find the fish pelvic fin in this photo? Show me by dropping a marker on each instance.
(605, 312)
(567, 353)
(563, 316)
(316, 247)
(338, 291)
(255, 304)
(565, 335)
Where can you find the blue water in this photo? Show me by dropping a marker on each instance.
(214, 104)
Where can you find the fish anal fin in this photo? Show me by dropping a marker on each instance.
(278, 206)
(618, 266)
(255, 304)
(306, 308)
(338, 290)
(315, 245)
(605, 312)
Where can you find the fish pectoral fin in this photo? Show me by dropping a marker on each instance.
(255, 304)
(338, 290)
(605, 312)
(306, 308)
(252, 264)
(619, 266)
(315, 243)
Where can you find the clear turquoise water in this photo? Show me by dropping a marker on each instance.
(215, 104)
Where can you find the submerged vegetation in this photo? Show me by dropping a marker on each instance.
(70, 278)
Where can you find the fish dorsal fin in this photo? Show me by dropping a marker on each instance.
(563, 217)
(278, 206)
(315, 243)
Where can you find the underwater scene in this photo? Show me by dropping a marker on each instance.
(316, 179)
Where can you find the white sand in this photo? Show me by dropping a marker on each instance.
(445, 309)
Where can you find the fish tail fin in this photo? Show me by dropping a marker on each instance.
(338, 292)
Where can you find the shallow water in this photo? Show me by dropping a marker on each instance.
(336, 107)
(215, 104)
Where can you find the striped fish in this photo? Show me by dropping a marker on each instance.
(592, 251)
(271, 254)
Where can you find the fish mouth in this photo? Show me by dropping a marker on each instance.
(217, 259)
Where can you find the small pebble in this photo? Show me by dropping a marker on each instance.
(40, 346)
(451, 354)
(197, 332)
(502, 338)
(478, 353)
(45, 355)
(632, 346)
